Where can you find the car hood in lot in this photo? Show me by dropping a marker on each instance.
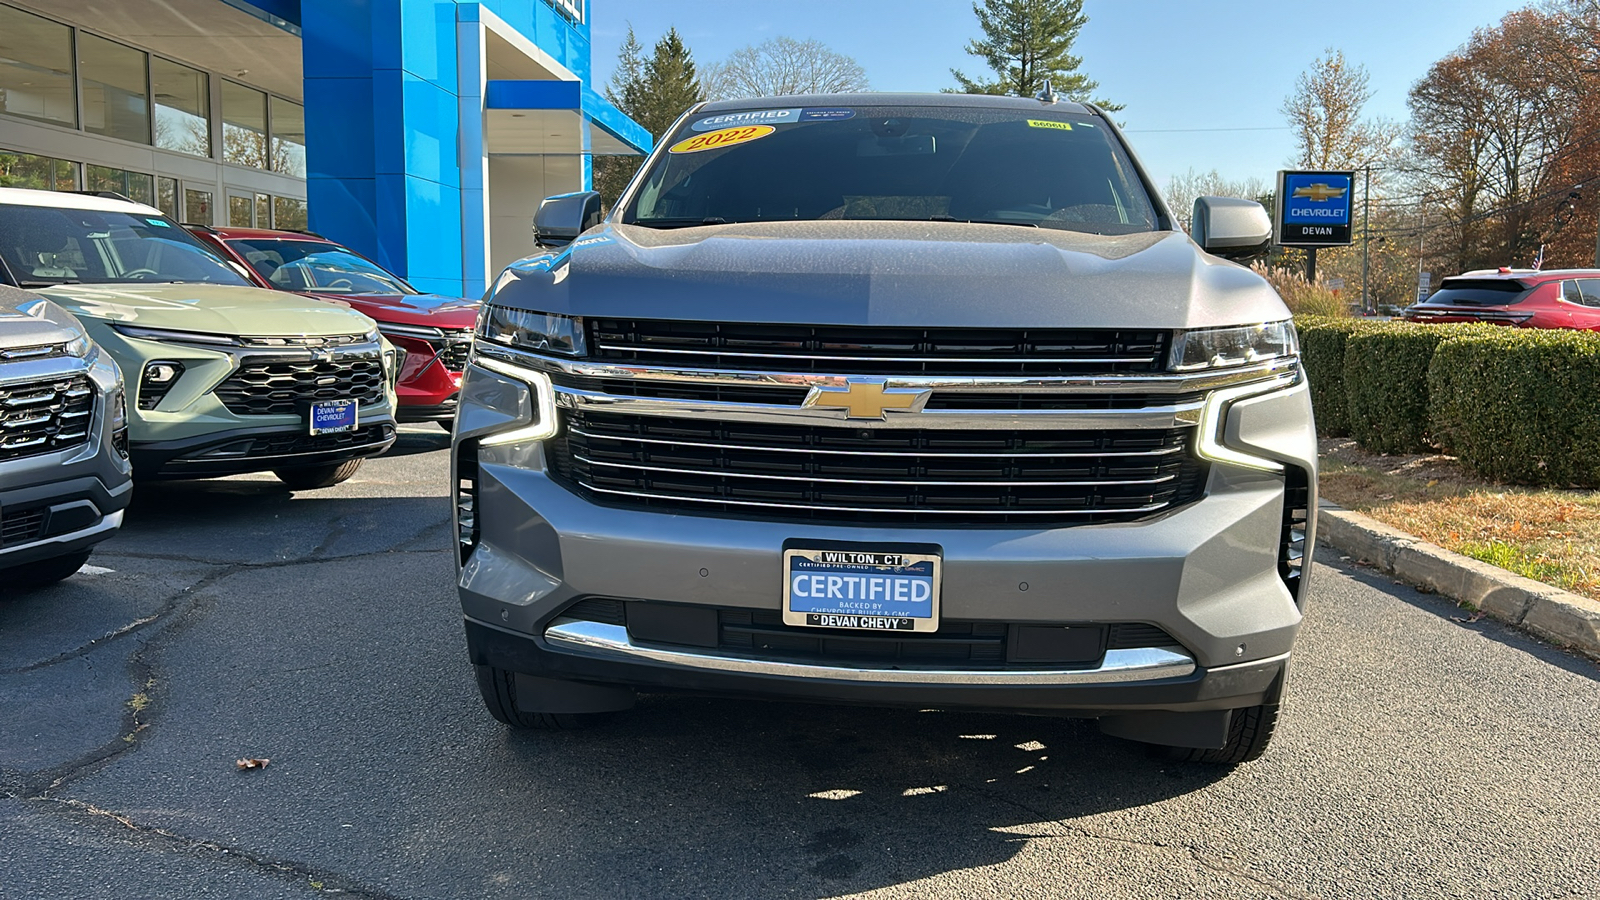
(434, 310)
(209, 308)
(29, 320)
(913, 274)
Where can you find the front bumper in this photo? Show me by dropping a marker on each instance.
(240, 450)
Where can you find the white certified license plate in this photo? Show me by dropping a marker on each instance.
(333, 416)
(861, 586)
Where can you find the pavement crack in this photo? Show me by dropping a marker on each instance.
(161, 839)
(82, 649)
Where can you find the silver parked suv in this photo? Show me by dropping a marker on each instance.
(64, 472)
(890, 399)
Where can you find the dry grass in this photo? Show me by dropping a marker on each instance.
(1301, 296)
(1549, 535)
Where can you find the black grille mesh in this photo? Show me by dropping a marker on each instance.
(265, 386)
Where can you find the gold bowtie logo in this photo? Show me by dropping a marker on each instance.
(866, 399)
(1319, 192)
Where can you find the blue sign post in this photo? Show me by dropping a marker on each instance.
(1313, 209)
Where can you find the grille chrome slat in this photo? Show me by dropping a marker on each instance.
(1165, 451)
(1073, 361)
(819, 479)
(44, 415)
(876, 510)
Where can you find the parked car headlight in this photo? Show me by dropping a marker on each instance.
(539, 332)
(79, 346)
(1218, 348)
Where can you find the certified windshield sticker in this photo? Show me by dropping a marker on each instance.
(748, 117)
(1046, 123)
(826, 115)
(159, 223)
(716, 140)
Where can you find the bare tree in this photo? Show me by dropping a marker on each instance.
(1183, 189)
(782, 66)
(1325, 113)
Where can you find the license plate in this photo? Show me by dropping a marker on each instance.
(333, 416)
(861, 586)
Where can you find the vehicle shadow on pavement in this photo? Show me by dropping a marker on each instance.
(419, 438)
(847, 798)
(1465, 618)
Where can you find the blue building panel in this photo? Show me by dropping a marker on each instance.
(386, 118)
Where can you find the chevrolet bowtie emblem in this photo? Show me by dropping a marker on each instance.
(866, 398)
(1319, 192)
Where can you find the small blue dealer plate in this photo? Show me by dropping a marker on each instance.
(861, 587)
(333, 416)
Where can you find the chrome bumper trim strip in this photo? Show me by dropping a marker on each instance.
(817, 507)
(612, 642)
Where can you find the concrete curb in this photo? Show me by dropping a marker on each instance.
(1551, 613)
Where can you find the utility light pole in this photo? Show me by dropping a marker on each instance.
(1366, 240)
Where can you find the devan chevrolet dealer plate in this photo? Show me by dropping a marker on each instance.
(861, 586)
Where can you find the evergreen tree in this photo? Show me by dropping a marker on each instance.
(1027, 43)
(653, 92)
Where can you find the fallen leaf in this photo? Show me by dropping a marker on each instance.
(252, 763)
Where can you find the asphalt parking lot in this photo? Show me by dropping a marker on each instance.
(1422, 754)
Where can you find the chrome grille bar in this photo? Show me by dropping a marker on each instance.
(1165, 451)
(820, 479)
(882, 510)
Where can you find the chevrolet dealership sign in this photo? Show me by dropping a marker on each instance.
(1313, 209)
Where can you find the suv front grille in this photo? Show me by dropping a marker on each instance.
(273, 386)
(455, 351)
(45, 415)
(850, 349)
(901, 476)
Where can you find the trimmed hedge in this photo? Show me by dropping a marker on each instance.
(1322, 341)
(1386, 385)
(1520, 405)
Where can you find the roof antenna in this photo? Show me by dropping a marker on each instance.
(1047, 94)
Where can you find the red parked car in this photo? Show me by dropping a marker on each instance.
(434, 331)
(1563, 298)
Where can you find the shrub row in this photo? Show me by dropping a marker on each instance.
(1513, 404)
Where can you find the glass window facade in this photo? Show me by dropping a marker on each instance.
(244, 125)
(288, 137)
(24, 170)
(36, 68)
(116, 92)
(197, 207)
(167, 196)
(289, 214)
(136, 186)
(182, 107)
(241, 210)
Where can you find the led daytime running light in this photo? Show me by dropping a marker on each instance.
(543, 392)
(1213, 418)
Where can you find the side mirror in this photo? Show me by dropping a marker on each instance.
(562, 218)
(1230, 227)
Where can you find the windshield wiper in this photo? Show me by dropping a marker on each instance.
(984, 221)
(680, 222)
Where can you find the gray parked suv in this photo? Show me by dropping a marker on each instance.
(64, 473)
(890, 399)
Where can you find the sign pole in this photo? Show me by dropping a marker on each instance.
(1311, 265)
(1366, 240)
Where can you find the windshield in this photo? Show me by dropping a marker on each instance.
(316, 266)
(1041, 168)
(44, 246)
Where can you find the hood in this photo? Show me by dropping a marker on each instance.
(209, 308)
(29, 320)
(436, 310)
(915, 274)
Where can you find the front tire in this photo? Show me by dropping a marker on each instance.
(1249, 732)
(42, 573)
(310, 478)
(499, 689)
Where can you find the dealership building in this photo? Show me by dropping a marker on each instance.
(422, 133)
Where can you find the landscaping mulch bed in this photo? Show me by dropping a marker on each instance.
(1552, 536)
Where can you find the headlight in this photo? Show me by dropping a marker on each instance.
(1217, 348)
(540, 332)
(79, 347)
(543, 395)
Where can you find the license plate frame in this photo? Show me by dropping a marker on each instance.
(862, 586)
(333, 416)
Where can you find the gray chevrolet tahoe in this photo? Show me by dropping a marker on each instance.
(916, 400)
(64, 472)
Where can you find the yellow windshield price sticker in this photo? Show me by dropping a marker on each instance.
(716, 140)
(1046, 123)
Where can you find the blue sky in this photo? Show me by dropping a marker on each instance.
(1178, 65)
